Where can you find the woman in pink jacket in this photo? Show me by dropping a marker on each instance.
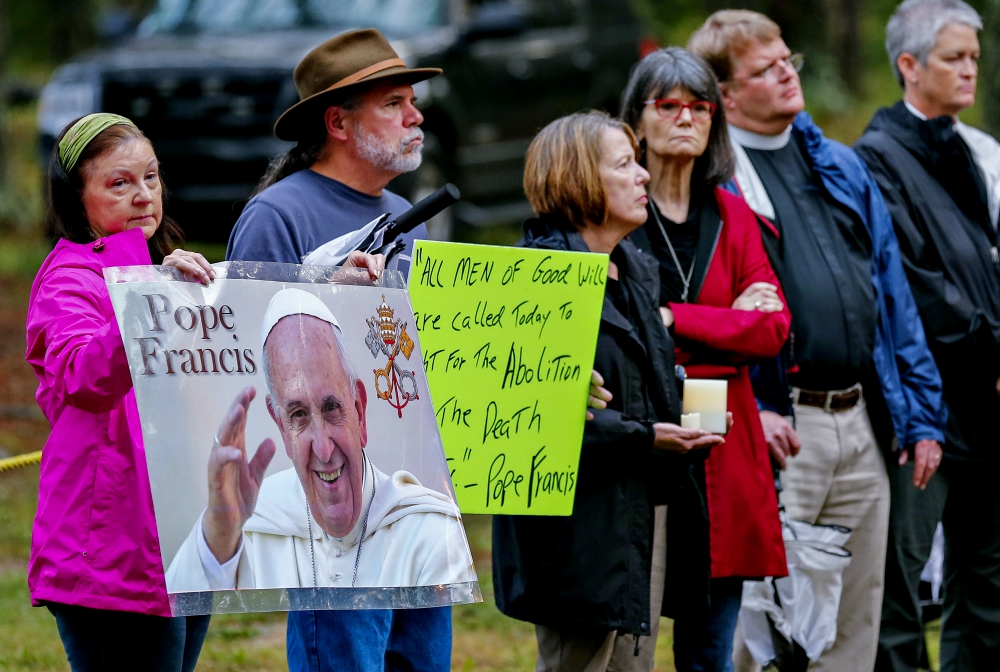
(95, 559)
(95, 555)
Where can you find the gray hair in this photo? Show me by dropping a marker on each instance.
(654, 77)
(914, 27)
(345, 360)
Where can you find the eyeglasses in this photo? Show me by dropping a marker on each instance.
(669, 108)
(773, 72)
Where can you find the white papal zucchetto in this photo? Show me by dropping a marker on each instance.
(294, 302)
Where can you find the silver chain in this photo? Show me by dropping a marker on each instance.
(364, 528)
(312, 549)
(686, 281)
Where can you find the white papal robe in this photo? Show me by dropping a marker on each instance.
(414, 537)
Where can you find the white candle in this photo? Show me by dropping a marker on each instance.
(707, 398)
(691, 420)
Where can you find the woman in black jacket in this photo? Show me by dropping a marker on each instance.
(586, 578)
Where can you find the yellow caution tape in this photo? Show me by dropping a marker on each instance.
(18, 461)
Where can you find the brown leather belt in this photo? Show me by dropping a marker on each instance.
(834, 401)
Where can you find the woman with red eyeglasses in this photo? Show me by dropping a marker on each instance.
(721, 301)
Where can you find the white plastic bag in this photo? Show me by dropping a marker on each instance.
(334, 252)
(802, 606)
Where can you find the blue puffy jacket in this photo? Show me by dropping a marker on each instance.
(909, 377)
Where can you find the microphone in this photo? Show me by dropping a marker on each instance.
(422, 211)
(381, 237)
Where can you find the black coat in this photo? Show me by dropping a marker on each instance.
(591, 571)
(937, 199)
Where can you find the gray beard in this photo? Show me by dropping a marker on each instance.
(384, 155)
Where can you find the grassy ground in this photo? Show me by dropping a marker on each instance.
(484, 639)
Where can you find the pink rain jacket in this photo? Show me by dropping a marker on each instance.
(94, 542)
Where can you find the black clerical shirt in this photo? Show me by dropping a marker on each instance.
(824, 265)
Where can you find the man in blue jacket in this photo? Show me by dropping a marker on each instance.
(860, 372)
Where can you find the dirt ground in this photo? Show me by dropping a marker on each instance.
(484, 639)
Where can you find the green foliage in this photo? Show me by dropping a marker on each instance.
(43, 33)
(214, 252)
(989, 79)
(20, 173)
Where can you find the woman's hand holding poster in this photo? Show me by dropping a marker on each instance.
(508, 337)
(292, 449)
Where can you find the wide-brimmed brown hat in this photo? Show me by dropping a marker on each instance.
(335, 69)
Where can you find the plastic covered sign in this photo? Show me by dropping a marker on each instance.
(293, 454)
(509, 337)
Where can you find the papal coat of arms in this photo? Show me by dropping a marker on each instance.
(388, 337)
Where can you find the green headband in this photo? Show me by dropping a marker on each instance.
(83, 132)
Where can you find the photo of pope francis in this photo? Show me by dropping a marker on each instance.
(334, 519)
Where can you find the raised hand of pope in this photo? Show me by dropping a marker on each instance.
(233, 481)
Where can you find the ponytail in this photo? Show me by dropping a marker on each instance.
(301, 156)
(308, 150)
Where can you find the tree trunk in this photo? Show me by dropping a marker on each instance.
(842, 42)
(72, 27)
(848, 44)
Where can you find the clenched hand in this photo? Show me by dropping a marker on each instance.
(374, 263)
(762, 296)
(192, 264)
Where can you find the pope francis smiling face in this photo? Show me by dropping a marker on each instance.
(321, 417)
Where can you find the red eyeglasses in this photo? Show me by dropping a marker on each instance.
(669, 108)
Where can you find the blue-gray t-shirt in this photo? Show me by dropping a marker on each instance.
(293, 217)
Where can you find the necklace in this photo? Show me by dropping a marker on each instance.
(312, 549)
(364, 527)
(685, 280)
(361, 540)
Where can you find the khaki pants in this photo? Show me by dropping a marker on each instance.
(839, 478)
(563, 651)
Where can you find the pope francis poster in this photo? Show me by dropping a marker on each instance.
(292, 447)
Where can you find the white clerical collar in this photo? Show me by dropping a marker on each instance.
(914, 111)
(752, 140)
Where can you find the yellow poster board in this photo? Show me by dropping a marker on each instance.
(508, 337)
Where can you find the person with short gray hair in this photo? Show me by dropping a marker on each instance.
(913, 29)
(941, 181)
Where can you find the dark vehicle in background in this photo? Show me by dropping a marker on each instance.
(206, 79)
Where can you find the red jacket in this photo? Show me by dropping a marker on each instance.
(745, 531)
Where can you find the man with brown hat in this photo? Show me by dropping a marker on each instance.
(356, 128)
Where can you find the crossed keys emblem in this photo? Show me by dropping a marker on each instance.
(388, 336)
